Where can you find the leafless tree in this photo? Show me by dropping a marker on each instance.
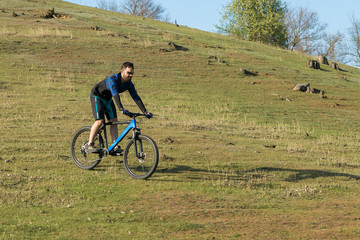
(334, 48)
(144, 8)
(102, 4)
(303, 30)
(111, 6)
(166, 17)
(354, 31)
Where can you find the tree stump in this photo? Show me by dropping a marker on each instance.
(301, 87)
(323, 60)
(172, 47)
(335, 66)
(48, 14)
(243, 71)
(313, 64)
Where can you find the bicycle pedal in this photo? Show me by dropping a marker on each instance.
(116, 154)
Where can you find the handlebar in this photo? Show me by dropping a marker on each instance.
(134, 115)
(129, 114)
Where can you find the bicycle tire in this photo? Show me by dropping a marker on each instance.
(145, 166)
(81, 159)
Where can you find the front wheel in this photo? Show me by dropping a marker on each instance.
(141, 157)
(77, 149)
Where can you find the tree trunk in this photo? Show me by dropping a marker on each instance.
(313, 64)
(323, 60)
(335, 66)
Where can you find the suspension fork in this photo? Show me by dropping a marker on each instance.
(136, 133)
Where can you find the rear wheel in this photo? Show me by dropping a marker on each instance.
(77, 149)
(142, 165)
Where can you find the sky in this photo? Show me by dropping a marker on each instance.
(205, 14)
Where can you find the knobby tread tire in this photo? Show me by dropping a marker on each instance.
(129, 149)
(76, 153)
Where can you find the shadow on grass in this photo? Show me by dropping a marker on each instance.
(301, 174)
(295, 174)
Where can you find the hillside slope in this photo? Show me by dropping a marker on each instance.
(242, 156)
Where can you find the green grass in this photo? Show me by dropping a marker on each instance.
(244, 163)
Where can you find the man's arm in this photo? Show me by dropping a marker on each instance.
(140, 104)
(118, 102)
(143, 109)
(136, 97)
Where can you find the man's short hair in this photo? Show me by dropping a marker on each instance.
(127, 65)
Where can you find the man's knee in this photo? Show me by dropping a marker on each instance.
(113, 120)
(99, 121)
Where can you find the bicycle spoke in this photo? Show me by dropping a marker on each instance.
(79, 156)
(142, 164)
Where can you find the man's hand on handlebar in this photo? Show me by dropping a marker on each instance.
(130, 114)
(148, 114)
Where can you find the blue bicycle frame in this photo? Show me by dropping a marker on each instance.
(132, 125)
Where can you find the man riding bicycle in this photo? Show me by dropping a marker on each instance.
(102, 104)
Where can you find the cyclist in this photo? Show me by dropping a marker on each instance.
(102, 104)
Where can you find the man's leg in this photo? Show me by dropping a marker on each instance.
(97, 108)
(94, 129)
(114, 135)
(113, 130)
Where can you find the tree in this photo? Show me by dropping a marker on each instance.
(110, 6)
(143, 8)
(102, 4)
(354, 31)
(303, 30)
(255, 20)
(333, 47)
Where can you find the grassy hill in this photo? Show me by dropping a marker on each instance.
(242, 156)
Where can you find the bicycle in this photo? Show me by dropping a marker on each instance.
(141, 154)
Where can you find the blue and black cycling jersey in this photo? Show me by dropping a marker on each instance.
(111, 86)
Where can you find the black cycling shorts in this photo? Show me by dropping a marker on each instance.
(101, 107)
